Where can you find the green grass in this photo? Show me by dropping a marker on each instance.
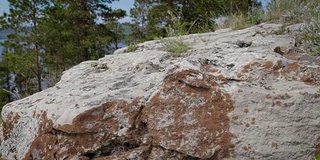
(312, 27)
(298, 11)
(281, 31)
(285, 11)
(131, 48)
(176, 47)
(237, 21)
(240, 20)
(317, 156)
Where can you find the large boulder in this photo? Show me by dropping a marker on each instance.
(231, 96)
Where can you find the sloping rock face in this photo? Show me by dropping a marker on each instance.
(231, 96)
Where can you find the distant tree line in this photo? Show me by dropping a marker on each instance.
(151, 17)
(51, 36)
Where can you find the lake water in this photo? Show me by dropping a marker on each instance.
(121, 44)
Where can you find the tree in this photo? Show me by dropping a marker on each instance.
(5, 86)
(51, 36)
(75, 32)
(195, 16)
(23, 52)
(77, 24)
(139, 17)
(115, 29)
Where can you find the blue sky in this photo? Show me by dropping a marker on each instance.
(122, 4)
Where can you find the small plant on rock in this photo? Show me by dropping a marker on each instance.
(240, 20)
(234, 21)
(317, 156)
(175, 45)
(281, 31)
(312, 27)
(131, 48)
(298, 11)
(285, 11)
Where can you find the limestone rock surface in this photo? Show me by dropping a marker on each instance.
(217, 101)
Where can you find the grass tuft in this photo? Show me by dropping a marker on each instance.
(238, 21)
(281, 31)
(176, 47)
(285, 11)
(299, 11)
(312, 27)
(131, 48)
(317, 156)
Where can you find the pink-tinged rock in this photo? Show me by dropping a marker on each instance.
(190, 115)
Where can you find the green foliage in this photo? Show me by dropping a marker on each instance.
(317, 156)
(257, 15)
(116, 33)
(23, 51)
(286, 11)
(198, 15)
(176, 29)
(236, 22)
(3, 98)
(298, 11)
(176, 46)
(281, 31)
(229, 7)
(131, 48)
(4, 85)
(177, 26)
(241, 20)
(139, 17)
(152, 18)
(4, 81)
(312, 27)
(50, 36)
(315, 51)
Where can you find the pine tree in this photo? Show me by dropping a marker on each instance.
(75, 32)
(113, 25)
(139, 17)
(23, 52)
(195, 16)
(51, 36)
(5, 85)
